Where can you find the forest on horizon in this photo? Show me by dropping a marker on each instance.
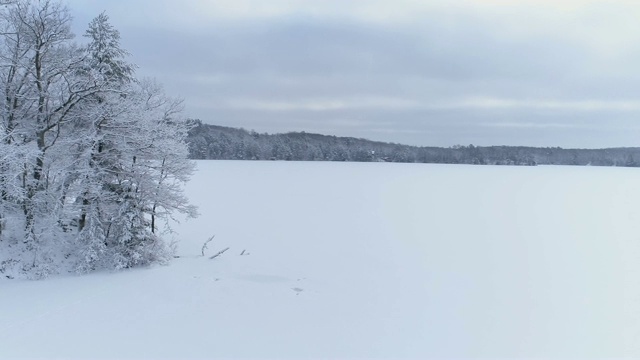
(214, 142)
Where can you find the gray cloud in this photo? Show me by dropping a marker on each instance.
(446, 76)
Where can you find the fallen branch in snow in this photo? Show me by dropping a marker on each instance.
(218, 254)
(204, 246)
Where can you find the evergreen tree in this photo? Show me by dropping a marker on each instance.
(90, 157)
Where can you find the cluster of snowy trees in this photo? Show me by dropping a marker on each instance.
(218, 142)
(91, 158)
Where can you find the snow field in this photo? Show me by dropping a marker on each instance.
(364, 260)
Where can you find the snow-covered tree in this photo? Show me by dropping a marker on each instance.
(90, 157)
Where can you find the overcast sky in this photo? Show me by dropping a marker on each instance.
(422, 72)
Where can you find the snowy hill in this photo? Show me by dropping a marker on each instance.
(213, 142)
(363, 260)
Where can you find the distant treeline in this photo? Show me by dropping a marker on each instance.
(225, 143)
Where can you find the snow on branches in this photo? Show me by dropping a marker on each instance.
(91, 158)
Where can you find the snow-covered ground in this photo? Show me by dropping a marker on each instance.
(364, 261)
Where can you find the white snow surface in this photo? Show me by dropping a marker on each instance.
(370, 260)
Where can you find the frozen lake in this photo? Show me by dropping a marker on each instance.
(353, 260)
